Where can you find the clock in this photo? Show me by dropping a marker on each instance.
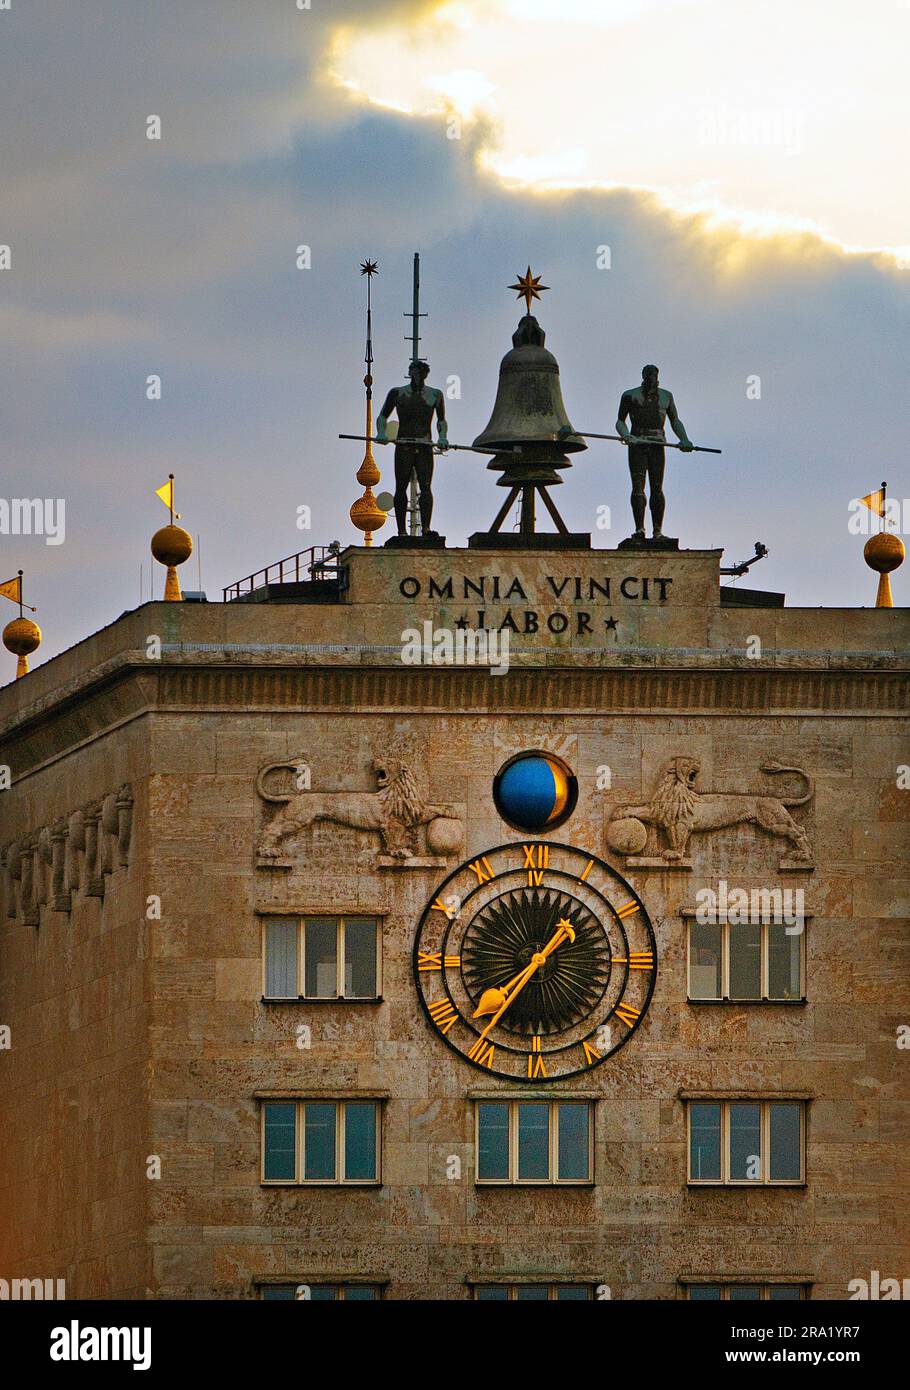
(535, 961)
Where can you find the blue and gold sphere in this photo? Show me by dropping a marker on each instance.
(535, 791)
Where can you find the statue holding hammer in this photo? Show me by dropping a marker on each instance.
(415, 405)
(647, 407)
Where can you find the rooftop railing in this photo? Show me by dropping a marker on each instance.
(319, 562)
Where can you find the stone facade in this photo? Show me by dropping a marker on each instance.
(136, 1037)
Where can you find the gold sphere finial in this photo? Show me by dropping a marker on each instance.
(367, 515)
(171, 546)
(884, 552)
(22, 637)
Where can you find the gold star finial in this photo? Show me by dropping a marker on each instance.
(529, 287)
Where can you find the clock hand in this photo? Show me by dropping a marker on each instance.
(563, 932)
(497, 1000)
(493, 998)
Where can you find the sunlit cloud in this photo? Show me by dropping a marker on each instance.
(465, 89)
(779, 117)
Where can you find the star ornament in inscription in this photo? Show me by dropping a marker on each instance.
(528, 287)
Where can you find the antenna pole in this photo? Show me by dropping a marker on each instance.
(414, 526)
(415, 312)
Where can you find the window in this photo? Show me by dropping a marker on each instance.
(534, 1141)
(747, 1293)
(531, 1293)
(755, 960)
(320, 958)
(320, 1141)
(319, 1293)
(746, 1141)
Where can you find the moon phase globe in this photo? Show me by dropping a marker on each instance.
(535, 791)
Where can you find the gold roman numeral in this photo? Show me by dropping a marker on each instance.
(443, 1015)
(433, 960)
(627, 910)
(638, 960)
(483, 869)
(588, 867)
(628, 1015)
(536, 1066)
(591, 1053)
(537, 858)
(482, 1053)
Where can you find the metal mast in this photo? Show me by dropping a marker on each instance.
(414, 526)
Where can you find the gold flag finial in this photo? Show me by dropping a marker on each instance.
(875, 501)
(171, 545)
(21, 636)
(884, 551)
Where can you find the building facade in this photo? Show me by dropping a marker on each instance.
(309, 991)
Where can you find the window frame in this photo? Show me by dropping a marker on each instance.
(301, 919)
(553, 1179)
(725, 1285)
(765, 1103)
(340, 1103)
(340, 1287)
(725, 997)
(551, 1287)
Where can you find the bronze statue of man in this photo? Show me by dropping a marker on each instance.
(647, 407)
(416, 404)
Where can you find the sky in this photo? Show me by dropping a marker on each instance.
(714, 187)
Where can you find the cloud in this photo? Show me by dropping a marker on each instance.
(761, 115)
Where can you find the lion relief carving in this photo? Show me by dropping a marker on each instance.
(396, 811)
(680, 809)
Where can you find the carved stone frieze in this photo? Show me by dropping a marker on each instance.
(679, 809)
(396, 813)
(73, 856)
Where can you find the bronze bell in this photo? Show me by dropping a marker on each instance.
(529, 413)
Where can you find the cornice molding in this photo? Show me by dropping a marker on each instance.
(56, 727)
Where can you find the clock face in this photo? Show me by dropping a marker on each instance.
(535, 961)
